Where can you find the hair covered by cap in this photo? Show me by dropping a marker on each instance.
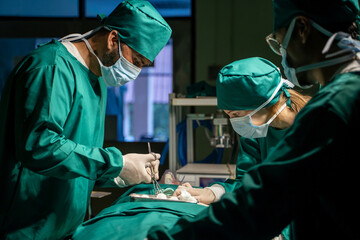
(246, 84)
(321, 11)
(140, 26)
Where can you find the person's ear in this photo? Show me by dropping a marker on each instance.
(303, 28)
(112, 40)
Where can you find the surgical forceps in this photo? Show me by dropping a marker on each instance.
(156, 185)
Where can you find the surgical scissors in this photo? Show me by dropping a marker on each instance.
(156, 185)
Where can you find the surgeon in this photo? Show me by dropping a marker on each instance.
(52, 123)
(261, 107)
(310, 179)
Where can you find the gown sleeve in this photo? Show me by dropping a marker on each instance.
(293, 180)
(41, 111)
(249, 155)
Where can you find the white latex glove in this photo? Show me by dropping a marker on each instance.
(203, 195)
(136, 169)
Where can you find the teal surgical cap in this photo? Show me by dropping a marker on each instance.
(246, 84)
(140, 26)
(323, 12)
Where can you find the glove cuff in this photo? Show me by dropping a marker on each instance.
(120, 182)
(218, 191)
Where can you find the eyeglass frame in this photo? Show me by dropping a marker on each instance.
(286, 38)
(271, 36)
(271, 40)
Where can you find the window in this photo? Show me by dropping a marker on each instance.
(70, 8)
(39, 8)
(167, 8)
(141, 106)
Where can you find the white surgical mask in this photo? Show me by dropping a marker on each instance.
(346, 43)
(244, 125)
(116, 75)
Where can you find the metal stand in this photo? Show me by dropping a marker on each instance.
(175, 117)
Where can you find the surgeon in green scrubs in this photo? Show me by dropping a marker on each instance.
(261, 106)
(310, 180)
(52, 123)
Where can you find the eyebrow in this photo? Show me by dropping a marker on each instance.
(145, 61)
(142, 59)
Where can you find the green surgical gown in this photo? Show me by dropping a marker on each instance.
(310, 180)
(51, 136)
(252, 151)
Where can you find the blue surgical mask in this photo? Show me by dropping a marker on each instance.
(245, 128)
(346, 43)
(244, 125)
(118, 74)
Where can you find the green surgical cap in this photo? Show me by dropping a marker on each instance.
(140, 26)
(248, 83)
(323, 12)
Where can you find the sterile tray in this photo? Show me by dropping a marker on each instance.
(152, 198)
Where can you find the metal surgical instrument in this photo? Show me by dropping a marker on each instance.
(157, 187)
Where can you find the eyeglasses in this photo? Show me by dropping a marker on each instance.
(273, 43)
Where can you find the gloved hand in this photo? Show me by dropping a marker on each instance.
(203, 195)
(137, 169)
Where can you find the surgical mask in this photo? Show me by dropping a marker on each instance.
(244, 125)
(116, 75)
(345, 42)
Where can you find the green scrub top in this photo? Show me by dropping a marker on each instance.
(51, 137)
(252, 151)
(132, 220)
(310, 180)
